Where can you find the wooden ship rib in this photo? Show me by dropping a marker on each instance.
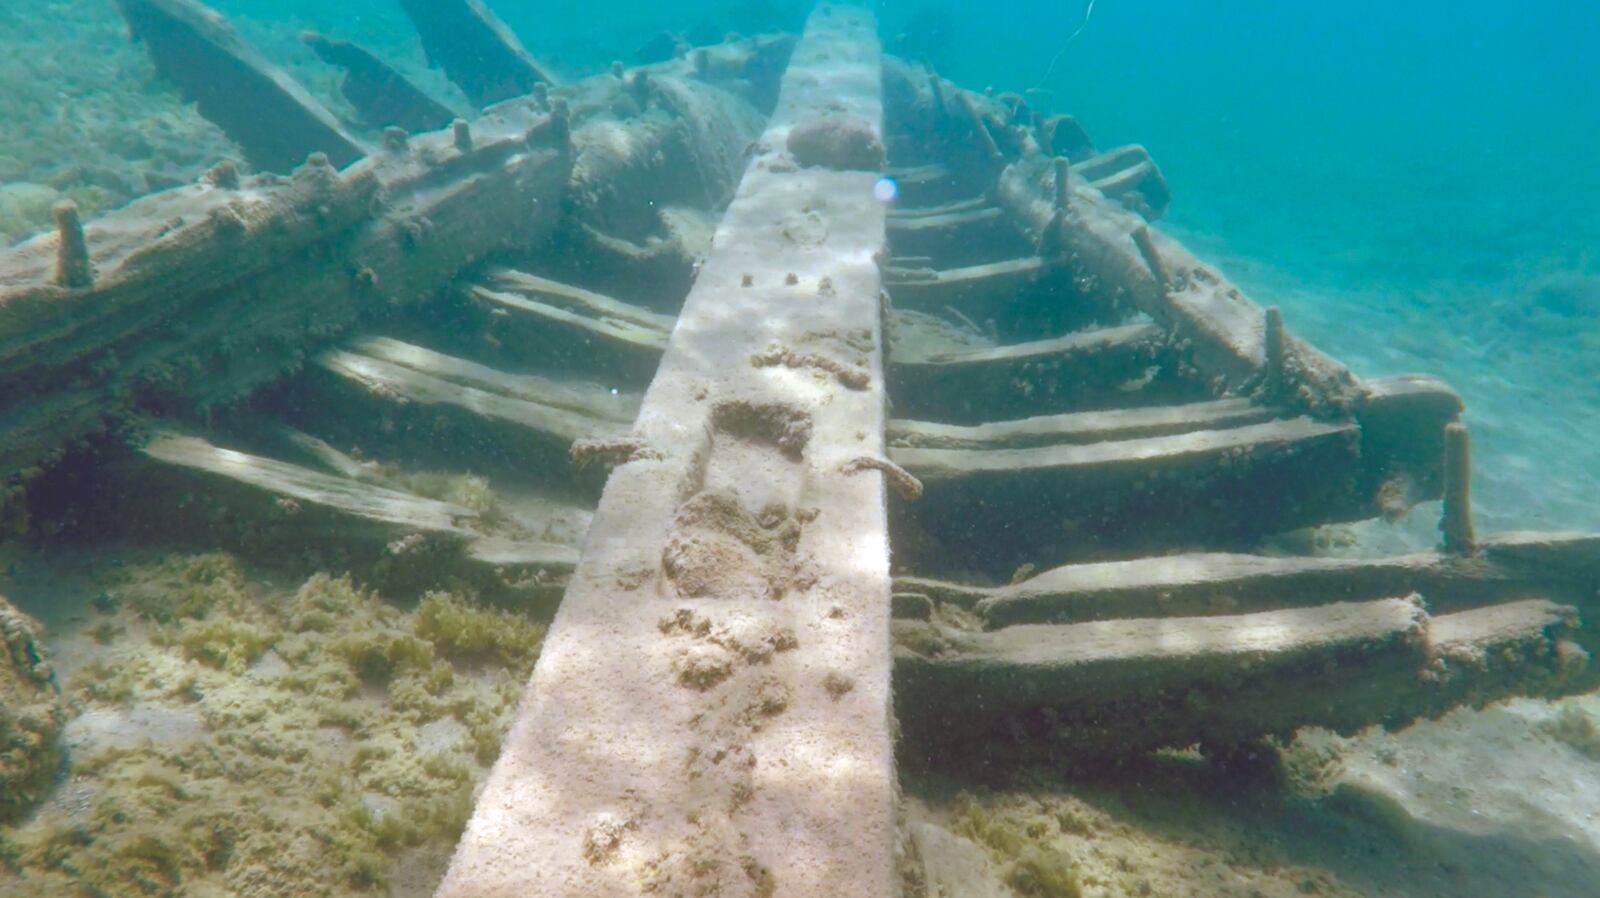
(748, 414)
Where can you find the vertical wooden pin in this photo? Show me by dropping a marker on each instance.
(462, 133)
(1063, 184)
(1152, 258)
(1456, 521)
(73, 268)
(1274, 351)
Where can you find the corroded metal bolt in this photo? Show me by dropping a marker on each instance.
(395, 139)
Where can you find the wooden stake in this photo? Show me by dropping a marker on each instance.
(1152, 258)
(1274, 349)
(73, 268)
(1456, 521)
(1063, 184)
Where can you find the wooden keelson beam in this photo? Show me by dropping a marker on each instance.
(710, 711)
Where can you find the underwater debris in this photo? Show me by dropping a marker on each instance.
(899, 479)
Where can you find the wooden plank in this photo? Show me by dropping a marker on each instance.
(1095, 369)
(184, 486)
(1080, 427)
(962, 217)
(272, 119)
(578, 338)
(391, 513)
(899, 215)
(1200, 584)
(590, 400)
(382, 97)
(991, 511)
(928, 288)
(1128, 175)
(475, 49)
(422, 413)
(751, 755)
(1114, 689)
(969, 236)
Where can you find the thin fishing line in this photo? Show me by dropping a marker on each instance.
(1087, 12)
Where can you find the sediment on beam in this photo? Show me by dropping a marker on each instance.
(929, 288)
(1101, 240)
(737, 565)
(475, 49)
(555, 326)
(271, 117)
(382, 97)
(440, 408)
(1080, 427)
(1114, 689)
(1118, 366)
(1203, 584)
(994, 510)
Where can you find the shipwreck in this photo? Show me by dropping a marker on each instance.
(857, 420)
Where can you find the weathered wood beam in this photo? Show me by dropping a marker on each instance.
(995, 510)
(1113, 689)
(275, 122)
(1129, 176)
(1213, 583)
(1080, 427)
(436, 407)
(555, 326)
(929, 288)
(382, 97)
(202, 293)
(733, 735)
(206, 292)
(1115, 366)
(475, 49)
(1099, 239)
(184, 486)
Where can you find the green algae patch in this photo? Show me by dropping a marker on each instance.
(241, 738)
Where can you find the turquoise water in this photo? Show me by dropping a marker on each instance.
(1414, 183)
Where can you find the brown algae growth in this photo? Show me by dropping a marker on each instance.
(231, 738)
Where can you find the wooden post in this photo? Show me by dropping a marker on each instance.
(1063, 184)
(1274, 352)
(1152, 258)
(73, 268)
(1456, 521)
